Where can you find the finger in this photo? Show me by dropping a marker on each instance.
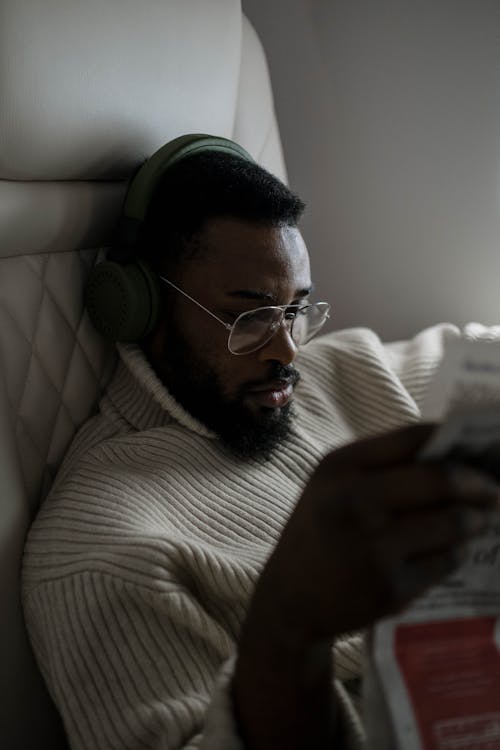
(467, 481)
(386, 450)
(412, 578)
(376, 498)
(427, 534)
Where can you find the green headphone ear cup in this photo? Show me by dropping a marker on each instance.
(123, 301)
(123, 294)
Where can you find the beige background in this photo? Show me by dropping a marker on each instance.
(390, 119)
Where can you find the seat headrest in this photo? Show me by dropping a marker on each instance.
(80, 103)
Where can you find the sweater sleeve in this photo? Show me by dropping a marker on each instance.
(415, 361)
(133, 669)
(129, 668)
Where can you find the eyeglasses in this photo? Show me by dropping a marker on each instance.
(253, 329)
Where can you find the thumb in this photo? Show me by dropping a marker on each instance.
(381, 451)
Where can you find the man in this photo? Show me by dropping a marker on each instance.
(207, 542)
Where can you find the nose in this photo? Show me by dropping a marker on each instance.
(280, 347)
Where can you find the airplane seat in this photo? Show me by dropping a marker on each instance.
(88, 91)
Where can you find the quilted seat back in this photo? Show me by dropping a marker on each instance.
(88, 91)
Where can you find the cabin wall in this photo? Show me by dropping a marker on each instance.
(389, 113)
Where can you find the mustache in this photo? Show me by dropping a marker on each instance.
(286, 373)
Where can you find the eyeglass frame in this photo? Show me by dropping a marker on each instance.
(231, 326)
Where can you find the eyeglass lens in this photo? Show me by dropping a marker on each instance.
(254, 328)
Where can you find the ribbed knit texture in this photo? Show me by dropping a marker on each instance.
(140, 566)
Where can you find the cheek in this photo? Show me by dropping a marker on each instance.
(231, 372)
(207, 347)
(204, 335)
(206, 338)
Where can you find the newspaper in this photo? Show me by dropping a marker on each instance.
(434, 676)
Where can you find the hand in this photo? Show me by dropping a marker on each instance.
(373, 529)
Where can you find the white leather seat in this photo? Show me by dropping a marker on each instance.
(88, 91)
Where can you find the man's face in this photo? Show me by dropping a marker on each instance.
(246, 399)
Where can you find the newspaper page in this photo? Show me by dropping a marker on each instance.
(437, 665)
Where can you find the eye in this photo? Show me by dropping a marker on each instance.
(298, 308)
(246, 321)
(247, 314)
(303, 309)
(231, 315)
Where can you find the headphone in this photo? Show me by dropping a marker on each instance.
(122, 294)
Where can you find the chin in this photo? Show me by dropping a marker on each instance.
(257, 434)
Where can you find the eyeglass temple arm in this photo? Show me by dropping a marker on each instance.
(227, 326)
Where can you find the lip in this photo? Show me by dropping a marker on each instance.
(272, 394)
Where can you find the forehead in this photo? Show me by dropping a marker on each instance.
(244, 255)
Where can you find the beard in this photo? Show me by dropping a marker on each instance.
(245, 434)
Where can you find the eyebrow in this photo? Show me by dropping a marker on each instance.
(256, 294)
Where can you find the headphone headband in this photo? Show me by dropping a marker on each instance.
(145, 182)
(143, 185)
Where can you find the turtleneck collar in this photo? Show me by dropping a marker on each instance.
(140, 397)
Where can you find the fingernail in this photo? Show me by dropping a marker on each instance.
(472, 521)
(460, 555)
(468, 480)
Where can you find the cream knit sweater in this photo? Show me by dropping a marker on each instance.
(139, 568)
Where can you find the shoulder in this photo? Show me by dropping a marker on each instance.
(373, 385)
(356, 345)
(363, 349)
(364, 343)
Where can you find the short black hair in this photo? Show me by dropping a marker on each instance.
(206, 186)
